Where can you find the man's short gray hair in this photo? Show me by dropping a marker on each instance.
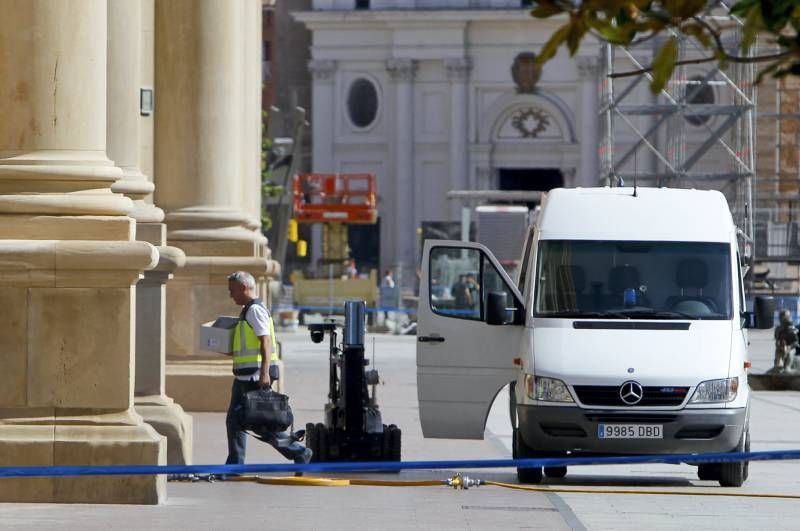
(244, 278)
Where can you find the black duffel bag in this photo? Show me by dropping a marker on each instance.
(266, 410)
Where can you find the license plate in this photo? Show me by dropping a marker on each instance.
(630, 431)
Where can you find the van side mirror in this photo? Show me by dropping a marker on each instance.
(764, 309)
(496, 308)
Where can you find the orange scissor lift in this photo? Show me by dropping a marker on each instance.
(335, 200)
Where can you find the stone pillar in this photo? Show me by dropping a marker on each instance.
(157, 409)
(201, 128)
(68, 263)
(458, 72)
(402, 72)
(251, 98)
(323, 105)
(589, 70)
(126, 62)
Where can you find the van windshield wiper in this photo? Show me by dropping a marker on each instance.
(656, 314)
(582, 314)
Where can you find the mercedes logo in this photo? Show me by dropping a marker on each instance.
(631, 392)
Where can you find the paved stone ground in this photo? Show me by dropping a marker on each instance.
(775, 425)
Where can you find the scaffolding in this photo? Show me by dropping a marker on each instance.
(698, 132)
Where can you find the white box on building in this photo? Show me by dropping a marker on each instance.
(215, 336)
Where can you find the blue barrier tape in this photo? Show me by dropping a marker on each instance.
(387, 466)
(337, 309)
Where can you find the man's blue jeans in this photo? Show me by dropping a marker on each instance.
(237, 438)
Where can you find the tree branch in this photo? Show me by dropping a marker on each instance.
(720, 48)
(736, 58)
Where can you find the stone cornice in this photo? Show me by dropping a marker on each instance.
(401, 69)
(170, 259)
(322, 69)
(69, 204)
(219, 267)
(74, 263)
(458, 69)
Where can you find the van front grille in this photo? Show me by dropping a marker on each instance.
(629, 418)
(699, 432)
(608, 395)
(562, 430)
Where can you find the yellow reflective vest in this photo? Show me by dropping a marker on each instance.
(246, 348)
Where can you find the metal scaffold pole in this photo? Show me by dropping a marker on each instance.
(697, 132)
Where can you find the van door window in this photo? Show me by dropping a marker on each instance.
(455, 280)
(460, 283)
(493, 282)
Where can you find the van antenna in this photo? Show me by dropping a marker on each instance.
(635, 171)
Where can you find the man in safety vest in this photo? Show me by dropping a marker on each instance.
(254, 342)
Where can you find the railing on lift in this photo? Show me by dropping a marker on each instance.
(330, 197)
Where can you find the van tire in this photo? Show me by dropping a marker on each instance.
(520, 450)
(735, 474)
(708, 471)
(555, 471)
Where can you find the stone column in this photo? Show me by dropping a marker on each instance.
(323, 104)
(589, 70)
(402, 72)
(201, 182)
(458, 72)
(126, 62)
(68, 263)
(251, 97)
(151, 400)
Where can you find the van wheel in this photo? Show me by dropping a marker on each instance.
(555, 471)
(520, 450)
(734, 474)
(708, 471)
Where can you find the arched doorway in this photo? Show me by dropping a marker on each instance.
(526, 142)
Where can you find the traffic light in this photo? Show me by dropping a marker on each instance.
(293, 230)
(302, 248)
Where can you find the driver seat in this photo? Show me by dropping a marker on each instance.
(691, 275)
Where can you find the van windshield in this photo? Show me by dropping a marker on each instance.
(633, 280)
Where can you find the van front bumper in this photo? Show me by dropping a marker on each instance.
(556, 430)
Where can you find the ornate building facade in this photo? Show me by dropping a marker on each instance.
(442, 95)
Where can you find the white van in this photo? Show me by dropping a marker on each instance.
(624, 332)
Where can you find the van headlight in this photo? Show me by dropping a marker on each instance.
(546, 389)
(723, 390)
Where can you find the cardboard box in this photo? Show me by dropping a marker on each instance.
(216, 335)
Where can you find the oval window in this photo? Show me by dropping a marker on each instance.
(699, 92)
(362, 102)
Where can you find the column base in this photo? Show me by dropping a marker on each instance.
(168, 419)
(204, 384)
(78, 445)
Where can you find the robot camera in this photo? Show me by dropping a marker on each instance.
(318, 331)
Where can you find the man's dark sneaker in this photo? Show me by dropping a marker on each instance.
(303, 459)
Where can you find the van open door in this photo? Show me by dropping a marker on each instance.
(462, 362)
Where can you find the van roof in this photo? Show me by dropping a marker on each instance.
(655, 214)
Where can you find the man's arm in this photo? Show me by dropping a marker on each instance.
(266, 353)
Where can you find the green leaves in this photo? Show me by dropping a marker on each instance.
(684, 8)
(551, 46)
(664, 64)
(626, 22)
(546, 9)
